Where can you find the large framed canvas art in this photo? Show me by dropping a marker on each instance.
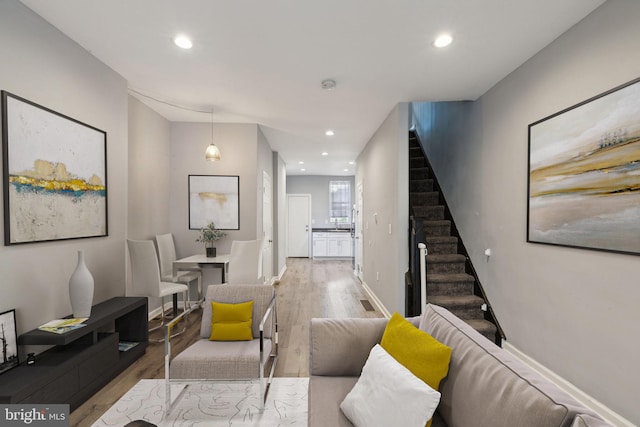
(584, 174)
(214, 198)
(55, 174)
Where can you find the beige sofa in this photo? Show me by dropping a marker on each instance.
(486, 386)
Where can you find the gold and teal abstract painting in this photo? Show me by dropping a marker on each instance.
(54, 175)
(584, 174)
(214, 198)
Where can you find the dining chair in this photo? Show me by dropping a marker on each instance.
(146, 281)
(166, 257)
(245, 262)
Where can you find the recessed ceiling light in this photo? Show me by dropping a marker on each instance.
(443, 40)
(302, 170)
(324, 153)
(183, 42)
(301, 162)
(346, 170)
(329, 133)
(352, 162)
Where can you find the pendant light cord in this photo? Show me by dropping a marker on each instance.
(174, 105)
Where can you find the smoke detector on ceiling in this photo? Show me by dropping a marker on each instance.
(328, 84)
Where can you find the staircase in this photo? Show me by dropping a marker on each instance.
(449, 283)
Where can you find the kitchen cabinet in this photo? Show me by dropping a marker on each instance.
(332, 244)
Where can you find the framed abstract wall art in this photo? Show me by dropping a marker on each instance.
(55, 174)
(214, 198)
(8, 341)
(584, 174)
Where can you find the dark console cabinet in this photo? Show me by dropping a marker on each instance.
(81, 361)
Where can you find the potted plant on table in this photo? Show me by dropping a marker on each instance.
(208, 235)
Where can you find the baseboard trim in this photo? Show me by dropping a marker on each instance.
(375, 300)
(605, 412)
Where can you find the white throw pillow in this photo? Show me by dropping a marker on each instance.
(388, 394)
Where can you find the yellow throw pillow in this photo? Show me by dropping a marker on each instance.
(416, 350)
(231, 322)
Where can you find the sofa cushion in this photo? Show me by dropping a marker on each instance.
(325, 395)
(486, 386)
(341, 346)
(389, 394)
(261, 295)
(415, 349)
(231, 322)
(206, 359)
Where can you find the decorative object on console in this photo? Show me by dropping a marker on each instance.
(62, 326)
(8, 341)
(208, 235)
(81, 289)
(584, 174)
(214, 198)
(55, 168)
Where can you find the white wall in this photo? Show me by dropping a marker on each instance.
(42, 65)
(383, 168)
(574, 311)
(318, 187)
(149, 178)
(280, 214)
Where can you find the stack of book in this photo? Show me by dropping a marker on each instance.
(60, 326)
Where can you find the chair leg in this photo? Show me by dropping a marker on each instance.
(175, 314)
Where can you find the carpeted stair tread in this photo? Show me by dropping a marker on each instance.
(424, 198)
(421, 185)
(433, 258)
(441, 239)
(485, 327)
(437, 222)
(448, 301)
(449, 277)
(433, 213)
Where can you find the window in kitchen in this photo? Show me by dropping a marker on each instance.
(340, 202)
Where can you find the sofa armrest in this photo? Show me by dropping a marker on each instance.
(586, 420)
(340, 347)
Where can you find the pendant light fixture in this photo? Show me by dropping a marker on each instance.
(213, 153)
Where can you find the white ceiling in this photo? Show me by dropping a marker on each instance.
(262, 61)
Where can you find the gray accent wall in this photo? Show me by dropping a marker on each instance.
(243, 153)
(574, 311)
(318, 187)
(149, 172)
(43, 65)
(383, 169)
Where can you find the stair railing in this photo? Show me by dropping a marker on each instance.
(423, 276)
(414, 304)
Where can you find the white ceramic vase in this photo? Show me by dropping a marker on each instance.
(81, 289)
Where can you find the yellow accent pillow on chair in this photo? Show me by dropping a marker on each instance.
(426, 357)
(231, 322)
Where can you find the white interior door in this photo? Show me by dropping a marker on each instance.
(267, 227)
(299, 225)
(358, 232)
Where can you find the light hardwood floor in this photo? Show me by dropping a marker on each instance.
(309, 288)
